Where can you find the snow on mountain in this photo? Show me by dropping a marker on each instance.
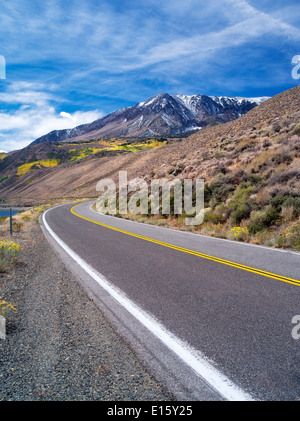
(161, 115)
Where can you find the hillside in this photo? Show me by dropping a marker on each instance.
(251, 168)
(23, 171)
(78, 177)
(66, 148)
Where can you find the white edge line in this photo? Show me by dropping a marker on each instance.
(189, 355)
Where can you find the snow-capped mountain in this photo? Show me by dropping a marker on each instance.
(161, 115)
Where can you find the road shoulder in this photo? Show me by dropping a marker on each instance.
(59, 345)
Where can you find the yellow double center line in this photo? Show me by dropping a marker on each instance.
(195, 253)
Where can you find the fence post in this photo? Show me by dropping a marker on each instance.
(10, 221)
(283, 233)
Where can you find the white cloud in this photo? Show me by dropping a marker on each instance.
(105, 39)
(248, 23)
(128, 51)
(35, 117)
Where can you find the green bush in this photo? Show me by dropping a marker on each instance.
(292, 202)
(219, 190)
(239, 206)
(213, 217)
(241, 212)
(260, 220)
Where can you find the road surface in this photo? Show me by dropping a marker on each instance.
(211, 318)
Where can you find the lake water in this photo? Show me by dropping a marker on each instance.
(5, 212)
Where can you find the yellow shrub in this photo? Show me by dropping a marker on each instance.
(239, 233)
(35, 165)
(6, 308)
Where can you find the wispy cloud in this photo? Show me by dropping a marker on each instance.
(105, 54)
(35, 117)
(106, 39)
(252, 24)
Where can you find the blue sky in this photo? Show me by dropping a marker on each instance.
(71, 62)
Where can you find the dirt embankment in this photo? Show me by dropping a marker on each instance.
(59, 346)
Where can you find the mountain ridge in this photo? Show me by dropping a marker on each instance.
(78, 178)
(162, 114)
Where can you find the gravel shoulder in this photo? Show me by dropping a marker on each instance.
(59, 346)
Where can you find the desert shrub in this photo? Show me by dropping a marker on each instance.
(215, 230)
(223, 169)
(262, 197)
(266, 237)
(6, 308)
(261, 161)
(208, 193)
(213, 218)
(246, 144)
(9, 252)
(238, 234)
(219, 190)
(206, 155)
(260, 220)
(287, 212)
(241, 212)
(283, 157)
(241, 196)
(292, 202)
(283, 177)
(296, 129)
(240, 207)
(17, 226)
(285, 198)
(254, 179)
(276, 127)
(170, 170)
(292, 236)
(266, 143)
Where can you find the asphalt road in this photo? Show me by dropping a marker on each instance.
(238, 319)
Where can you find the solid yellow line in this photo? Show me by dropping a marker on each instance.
(196, 253)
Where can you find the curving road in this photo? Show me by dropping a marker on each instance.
(211, 318)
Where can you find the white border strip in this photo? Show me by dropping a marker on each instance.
(189, 355)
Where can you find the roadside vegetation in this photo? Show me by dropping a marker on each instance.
(9, 251)
(252, 185)
(12, 248)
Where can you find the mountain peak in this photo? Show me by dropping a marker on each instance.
(162, 114)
